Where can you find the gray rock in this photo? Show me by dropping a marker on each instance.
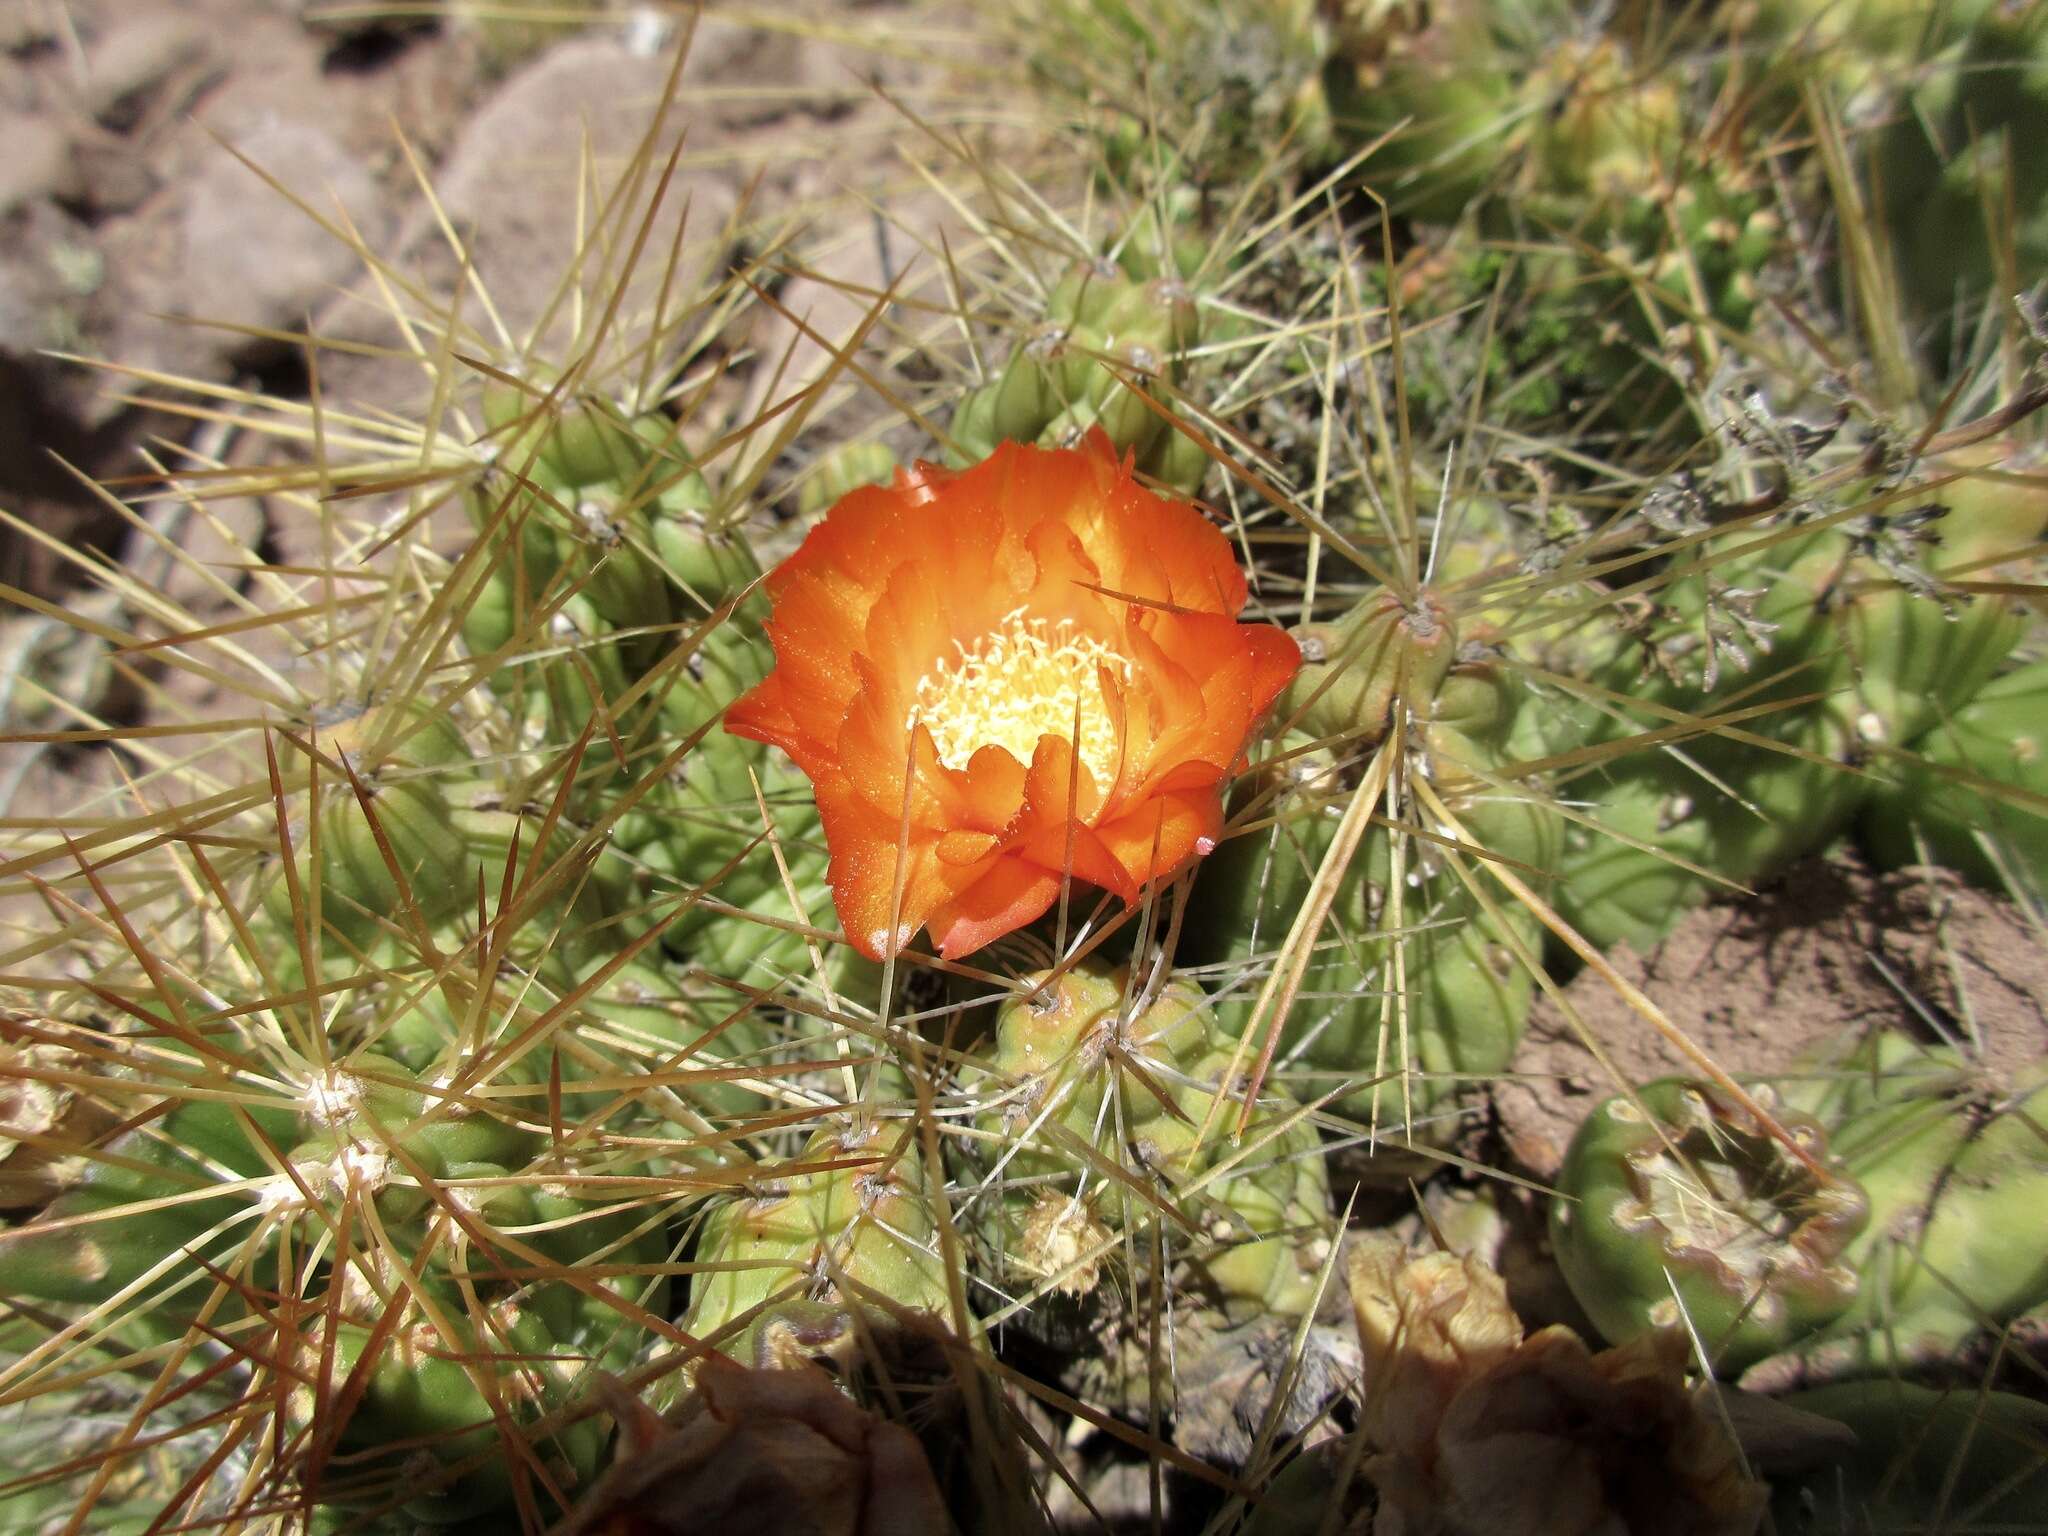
(26, 24)
(218, 244)
(126, 65)
(48, 283)
(37, 162)
(512, 186)
(249, 255)
(513, 178)
(111, 173)
(337, 19)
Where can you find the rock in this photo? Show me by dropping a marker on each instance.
(251, 257)
(48, 282)
(112, 176)
(857, 256)
(325, 19)
(126, 66)
(26, 24)
(37, 162)
(217, 541)
(513, 177)
(218, 244)
(511, 185)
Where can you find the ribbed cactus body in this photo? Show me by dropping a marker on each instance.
(1101, 326)
(1678, 1209)
(1386, 651)
(810, 1263)
(100, 1236)
(1950, 795)
(1950, 1187)
(1405, 1012)
(1094, 1132)
(1922, 1458)
(1738, 815)
(1962, 186)
(1852, 660)
(359, 887)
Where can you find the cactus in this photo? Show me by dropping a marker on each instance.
(379, 1058)
(1081, 1068)
(1950, 803)
(1945, 1182)
(1447, 984)
(1871, 1239)
(812, 1262)
(1101, 325)
(410, 1355)
(1969, 210)
(1676, 1208)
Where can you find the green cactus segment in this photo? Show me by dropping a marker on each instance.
(1950, 1249)
(1094, 1131)
(700, 1037)
(1354, 672)
(1620, 240)
(1455, 1007)
(211, 1190)
(709, 560)
(1698, 1216)
(845, 470)
(1843, 1082)
(1064, 380)
(716, 666)
(1923, 1460)
(805, 1265)
(1958, 169)
(141, 1206)
(1739, 815)
(604, 545)
(1954, 1246)
(567, 439)
(1824, 653)
(630, 598)
(1267, 1223)
(1947, 796)
(1781, 616)
(1440, 87)
(1230, 81)
(358, 889)
(458, 1393)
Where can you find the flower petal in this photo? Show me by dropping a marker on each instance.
(901, 580)
(1010, 895)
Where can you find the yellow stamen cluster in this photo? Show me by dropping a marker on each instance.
(1018, 683)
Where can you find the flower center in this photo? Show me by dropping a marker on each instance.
(1025, 680)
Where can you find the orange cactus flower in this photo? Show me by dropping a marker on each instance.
(1000, 674)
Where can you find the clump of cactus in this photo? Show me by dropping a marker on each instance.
(483, 1087)
(1871, 1238)
(1675, 1207)
(1101, 1175)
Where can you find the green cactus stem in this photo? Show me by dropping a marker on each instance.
(1697, 1216)
(1972, 793)
(1087, 1081)
(1386, 651)
(796, 1268)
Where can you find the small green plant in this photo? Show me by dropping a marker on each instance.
(459, 1044)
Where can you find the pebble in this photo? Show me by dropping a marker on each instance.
(133, 59)
(37, 162)
(251, 256)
